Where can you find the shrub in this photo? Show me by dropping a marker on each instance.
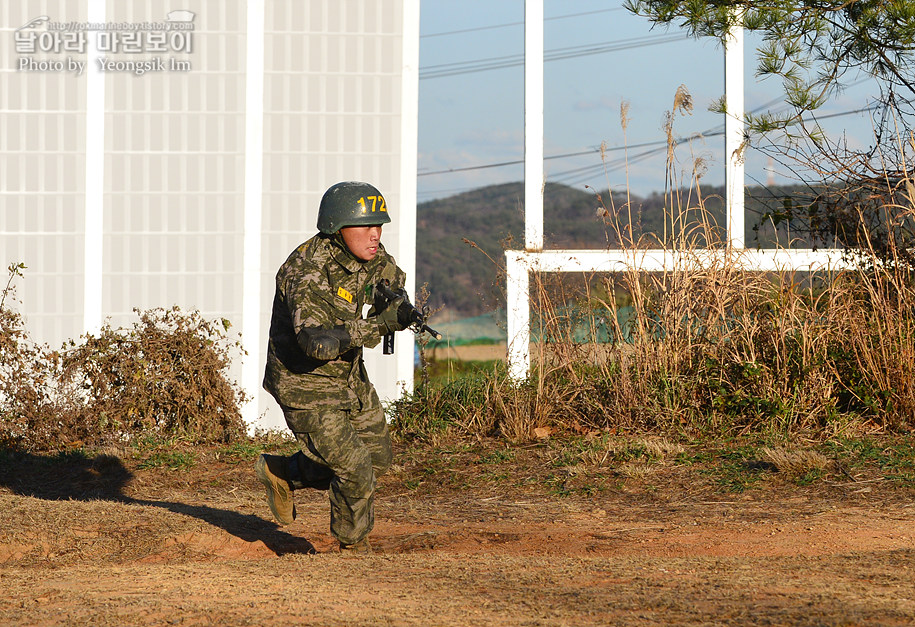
(26, 375)
(165, 376)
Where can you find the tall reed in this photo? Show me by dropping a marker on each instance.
(711, 346)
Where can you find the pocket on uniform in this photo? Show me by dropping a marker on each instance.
(301, 420)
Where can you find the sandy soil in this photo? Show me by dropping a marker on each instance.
(100, 542)
(473, 352)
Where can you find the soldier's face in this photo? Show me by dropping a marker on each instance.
(362, 241)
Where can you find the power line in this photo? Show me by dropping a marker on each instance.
(441, 70)
(567, 155)
(510, 24)
(585, 172)
(557, 52)
(712, 132)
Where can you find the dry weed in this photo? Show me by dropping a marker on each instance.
(636, 470)
(163, 377)
(659, 448)
(794, 463)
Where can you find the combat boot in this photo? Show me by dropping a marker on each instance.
(357, 548)
(271, 470)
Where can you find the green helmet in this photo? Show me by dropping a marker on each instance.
(351, 203)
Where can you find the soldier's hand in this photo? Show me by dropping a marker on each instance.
(394, 317)
(405, 309)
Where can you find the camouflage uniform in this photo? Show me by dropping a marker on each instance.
(331, 406)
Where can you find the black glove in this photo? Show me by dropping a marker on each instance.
(324, 344)
(396, 315)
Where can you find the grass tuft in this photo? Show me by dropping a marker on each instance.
(795, 462)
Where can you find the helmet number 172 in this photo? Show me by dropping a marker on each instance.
(376, 201)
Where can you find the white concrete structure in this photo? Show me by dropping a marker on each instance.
(519, 264)
(188, 181)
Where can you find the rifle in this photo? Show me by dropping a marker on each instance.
(417, 317)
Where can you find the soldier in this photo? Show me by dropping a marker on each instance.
(314, 363)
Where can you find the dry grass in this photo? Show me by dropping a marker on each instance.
(710, 346)
(705, 348)
(794, 463)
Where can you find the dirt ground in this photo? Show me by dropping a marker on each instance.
(99, 540)
(472, 352)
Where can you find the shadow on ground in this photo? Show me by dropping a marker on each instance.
(75, 476)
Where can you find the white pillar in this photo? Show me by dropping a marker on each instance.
(518, 313)
(517, 269)
(533, 124)
(254, 164)
(93, 259)
(406, 212)
(734, 136)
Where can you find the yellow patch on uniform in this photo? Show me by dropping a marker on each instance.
(342, 293)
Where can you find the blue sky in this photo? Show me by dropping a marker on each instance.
(474, 119)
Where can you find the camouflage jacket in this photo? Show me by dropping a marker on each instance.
(321, 284)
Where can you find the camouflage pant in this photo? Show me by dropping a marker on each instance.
(341, 452)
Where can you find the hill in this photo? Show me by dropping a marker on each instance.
(466, 279)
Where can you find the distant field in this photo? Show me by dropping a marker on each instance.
(472, 352)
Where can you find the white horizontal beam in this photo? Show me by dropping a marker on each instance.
(765, 260)
(519, 264)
